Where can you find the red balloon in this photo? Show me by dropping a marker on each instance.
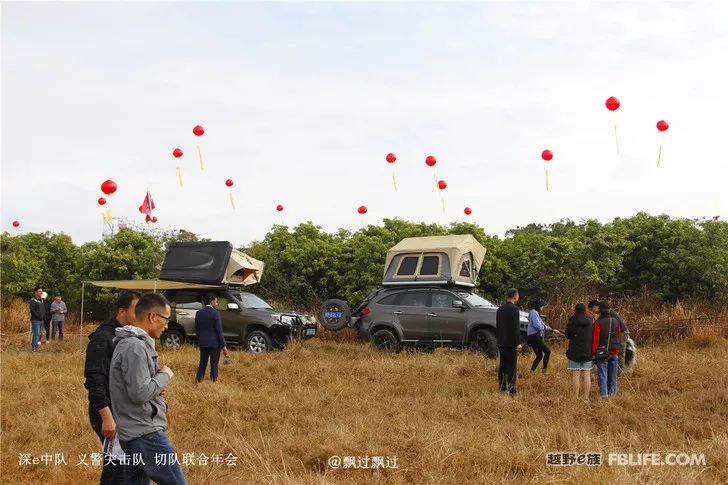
(547, 155)
(468, 211)
(154, 219)
(177, 153)
(102, 201)
(662, 125)
(430, 161)
(391, 158)
(108, 187)
(229, 182)
(441, 184)
(612, 103)
(362, 210)
(16, 224)
(279, 208)
(198, 130)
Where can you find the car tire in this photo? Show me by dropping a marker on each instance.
(386, 341)
(335, 314)
(258, 342)
(484, 342)
(172, 338)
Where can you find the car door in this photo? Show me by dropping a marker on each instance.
(232, 318)
(185, 305)
(412, 309)
(447, 322)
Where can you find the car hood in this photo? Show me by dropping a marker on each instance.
(523, 315)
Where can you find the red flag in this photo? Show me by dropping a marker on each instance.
(147, 206)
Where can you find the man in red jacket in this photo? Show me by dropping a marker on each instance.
(607, 334)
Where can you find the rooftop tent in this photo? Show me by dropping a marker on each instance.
(434, 260)
(213, 262)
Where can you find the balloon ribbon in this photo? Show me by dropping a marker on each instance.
(199, 152)
(232, 201)
(394, 179)
(547, 180)
(659, 155)
(179, 175)
(616, 140)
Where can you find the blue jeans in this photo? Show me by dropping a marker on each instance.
(607, 375)
(57, 325)
(151, 447)
(37, 327)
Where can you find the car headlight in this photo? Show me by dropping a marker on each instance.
(288, 319)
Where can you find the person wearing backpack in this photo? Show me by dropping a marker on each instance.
(580, 332)
(605, 349)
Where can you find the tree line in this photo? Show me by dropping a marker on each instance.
(673, 259)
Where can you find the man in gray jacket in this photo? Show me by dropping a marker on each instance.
(136, 385)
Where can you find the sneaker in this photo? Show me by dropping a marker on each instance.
(35, 349)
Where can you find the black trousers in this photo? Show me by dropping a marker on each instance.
(47, 325)
(112, 472)
(507, 369)
(213, 354)
(540, 349)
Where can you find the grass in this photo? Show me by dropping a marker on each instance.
(284, 414)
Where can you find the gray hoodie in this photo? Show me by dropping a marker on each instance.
(135, 384)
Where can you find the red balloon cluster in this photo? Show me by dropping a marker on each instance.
(279, 208)
(391, 158)
(16, 224)
(362, 210)
(198, 130)
(177, 153)
(101, 201)
(108, 187)
(441, 184)
(547, 155)
(229, 182)
(612, 103)
(430, 161)
(662, 125)
(468, 211)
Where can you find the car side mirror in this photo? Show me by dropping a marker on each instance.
(233, 306)
(458, 304)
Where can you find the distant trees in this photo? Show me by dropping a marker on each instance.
(672, 258)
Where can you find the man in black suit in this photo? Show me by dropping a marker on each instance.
(210, 339)
(507, 321)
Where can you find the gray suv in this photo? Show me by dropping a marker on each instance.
(247, 320)
(424, 317)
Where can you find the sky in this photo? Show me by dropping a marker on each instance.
(301, 102)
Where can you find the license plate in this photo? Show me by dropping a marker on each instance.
(310, 331)
(333, 314)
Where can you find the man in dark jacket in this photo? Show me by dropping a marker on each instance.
(508, 328)
(96, 370)
(607, 334)
(594, 308)
(210, 339)
(37, 316)
(580, 332)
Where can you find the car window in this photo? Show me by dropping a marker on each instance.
(475, 300)
(413, 299)
(408, 266)
(465, 269)
(251, 301)
(222, 303)
(188, 301)
(389, 300)
(430, 266)
(442, 300)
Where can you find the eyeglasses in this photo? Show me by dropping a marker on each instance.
(166, 319)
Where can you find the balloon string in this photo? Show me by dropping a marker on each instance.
(547, 180)
(616, 139)
(179, 175)
(232, 201)
(659, 155)
(442, 202)
(199, 152)
(394, 179)
(363, 221)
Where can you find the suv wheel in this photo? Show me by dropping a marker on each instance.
(484, 342)
(386, 341)
(172, 338)
(259, 342)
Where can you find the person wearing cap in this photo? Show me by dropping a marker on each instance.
(607, 333)
(580, 332)
(535, 335)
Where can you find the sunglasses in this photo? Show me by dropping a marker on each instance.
(166, 319)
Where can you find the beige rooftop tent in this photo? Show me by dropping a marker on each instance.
(434, 260)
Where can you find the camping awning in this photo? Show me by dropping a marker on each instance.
(153, 285)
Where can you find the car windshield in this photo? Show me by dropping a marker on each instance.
(475, 300)
(249, 300)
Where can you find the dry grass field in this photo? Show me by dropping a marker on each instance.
(284, 414)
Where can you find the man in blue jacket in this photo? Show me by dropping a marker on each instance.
(210, 339)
